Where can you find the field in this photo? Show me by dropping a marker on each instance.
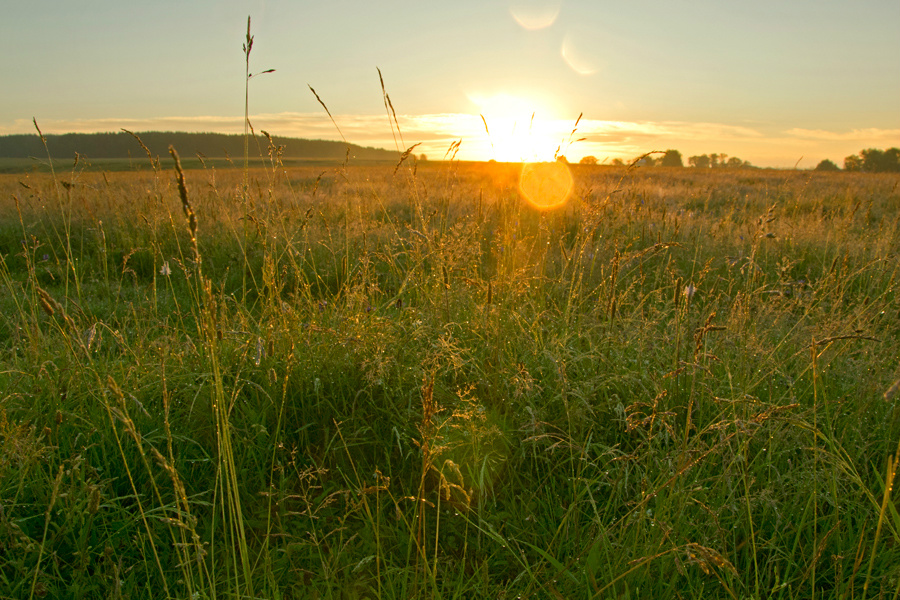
(369, 382)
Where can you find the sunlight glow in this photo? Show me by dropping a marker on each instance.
(518, 129)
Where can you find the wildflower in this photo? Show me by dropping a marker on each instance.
(689, 291)
(165, 270)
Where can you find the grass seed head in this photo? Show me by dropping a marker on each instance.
(49, 305)
(182, 192)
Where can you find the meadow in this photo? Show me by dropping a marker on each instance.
(380, 382)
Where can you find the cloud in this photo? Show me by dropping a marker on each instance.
(855, 135)
(626, 130)
(361, 128)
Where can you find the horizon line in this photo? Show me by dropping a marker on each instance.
(435, 132)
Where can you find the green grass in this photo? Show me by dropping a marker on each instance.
(368, 383)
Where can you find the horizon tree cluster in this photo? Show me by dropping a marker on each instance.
(673, 158)
(715, 161)
(873, 160)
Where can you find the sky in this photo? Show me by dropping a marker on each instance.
(778, 83)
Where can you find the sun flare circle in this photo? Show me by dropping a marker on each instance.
(545, 185)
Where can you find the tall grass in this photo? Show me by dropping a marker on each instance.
(396, 383)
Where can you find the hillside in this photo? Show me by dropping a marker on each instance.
(212, 145)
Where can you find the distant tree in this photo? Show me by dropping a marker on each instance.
(617, 162)
(878, 161)
(713, 160)
(562, 159)
(827, 165)
(423, 158)
(646, 161)
(892, 159)
(672, 158)
(873, 160)
(699, 162)
(853, 163)
(588, 160)
(734, 163)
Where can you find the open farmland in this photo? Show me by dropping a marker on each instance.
(364, 382)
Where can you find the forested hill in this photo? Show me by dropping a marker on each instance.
(211, 145)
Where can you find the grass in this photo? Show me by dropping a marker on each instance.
(368, 382)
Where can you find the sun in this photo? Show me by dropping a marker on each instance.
(521, 130)
(518, 129)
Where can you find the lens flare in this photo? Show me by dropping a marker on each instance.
(535, 14)
(577, 56)
(546, 185)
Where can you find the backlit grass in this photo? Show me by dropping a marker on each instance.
(363, 382)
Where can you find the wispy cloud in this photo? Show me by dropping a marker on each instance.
(891, 136)
(641, 132)
(374, 126)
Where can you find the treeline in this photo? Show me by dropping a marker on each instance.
(867, 161)
(211, 145)
(673, 158)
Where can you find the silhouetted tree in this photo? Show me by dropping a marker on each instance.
(588, 160)
(708, 161)
(617, 162)
(699, 162)
(873, 160)
(672, 158)
(853, 163)
(827, 165)
(892, 159)
(877, 161)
